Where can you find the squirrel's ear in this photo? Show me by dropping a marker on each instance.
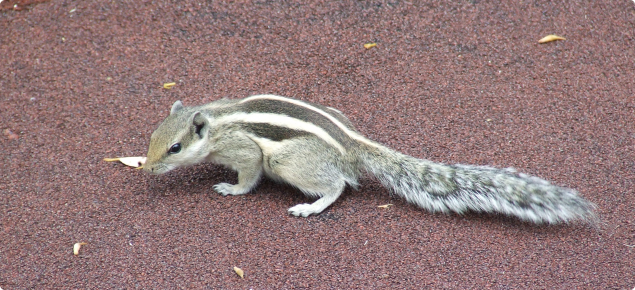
(199, 122)
(176, 107)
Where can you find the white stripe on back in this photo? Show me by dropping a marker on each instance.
(351, 134)
(281, 121)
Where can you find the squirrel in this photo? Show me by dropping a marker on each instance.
(318, 150)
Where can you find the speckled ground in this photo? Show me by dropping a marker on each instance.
(450, 81)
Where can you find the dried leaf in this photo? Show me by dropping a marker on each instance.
(240, 272)
(130, 161)
(385, 205)
(76, 248)
(370, 45)
(550, 38)
(168, 86)
(10, 135)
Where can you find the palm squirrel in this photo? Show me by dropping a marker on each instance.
(318, 150)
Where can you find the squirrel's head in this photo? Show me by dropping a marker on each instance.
(179, 141)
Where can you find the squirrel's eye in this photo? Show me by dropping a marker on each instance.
(176, 148)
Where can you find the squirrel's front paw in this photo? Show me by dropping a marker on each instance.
(303, 210)
(228, 189)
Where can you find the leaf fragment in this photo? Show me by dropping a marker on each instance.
(136, 162)
(10, 135)
(385, 205)
(370, 45)
(240, 272)
(550, 38)
(168, 86)
(76, 248)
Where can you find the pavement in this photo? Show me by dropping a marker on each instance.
(449, 81)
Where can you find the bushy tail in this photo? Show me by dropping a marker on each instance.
(459, 188)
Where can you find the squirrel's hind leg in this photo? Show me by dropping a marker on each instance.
(313, 168)
(307, 209)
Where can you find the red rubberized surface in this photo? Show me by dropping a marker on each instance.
(451, 81)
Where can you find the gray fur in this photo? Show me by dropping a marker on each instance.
(317, 150)
(176, 107)
(460, 188)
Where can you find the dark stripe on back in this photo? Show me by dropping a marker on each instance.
(339, 116)
(301, 113)
(272, 132)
